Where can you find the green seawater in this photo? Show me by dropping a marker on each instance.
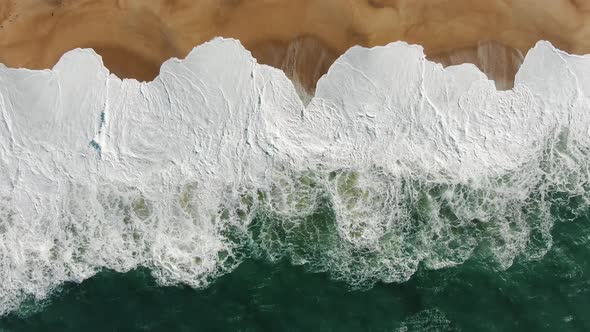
(550, 294)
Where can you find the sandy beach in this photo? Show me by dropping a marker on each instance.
(301, 37)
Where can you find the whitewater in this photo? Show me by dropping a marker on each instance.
(396, 163)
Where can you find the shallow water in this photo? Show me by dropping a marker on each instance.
(403, 195)
(551, 294)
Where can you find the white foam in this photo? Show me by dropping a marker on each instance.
(418, 164)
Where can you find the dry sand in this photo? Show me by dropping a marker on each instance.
(301, 36)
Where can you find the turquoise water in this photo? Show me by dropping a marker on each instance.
(550, 294)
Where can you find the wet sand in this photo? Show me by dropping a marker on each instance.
(302, 37)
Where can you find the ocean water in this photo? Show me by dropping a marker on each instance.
(401, 196)
(550, 294)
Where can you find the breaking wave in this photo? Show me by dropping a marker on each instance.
(396, 162)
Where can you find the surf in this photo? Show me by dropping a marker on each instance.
(395, 163)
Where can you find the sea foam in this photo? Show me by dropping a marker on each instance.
(395, 162)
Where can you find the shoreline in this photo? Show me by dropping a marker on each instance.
(303, 38)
